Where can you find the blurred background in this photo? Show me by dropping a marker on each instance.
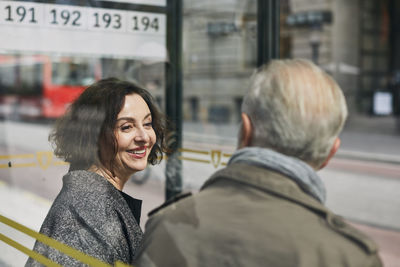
(356, 41)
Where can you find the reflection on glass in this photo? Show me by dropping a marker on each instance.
(42, 86)
(68, 73)
(219, 53)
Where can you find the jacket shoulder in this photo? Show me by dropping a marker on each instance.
(170, 201)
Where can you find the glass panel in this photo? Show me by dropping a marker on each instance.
(49, 54)
(219, 56)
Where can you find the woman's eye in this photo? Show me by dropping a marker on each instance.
(125, 127)
(148, 124)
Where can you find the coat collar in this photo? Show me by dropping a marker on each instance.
(268, 181)
(291, 167)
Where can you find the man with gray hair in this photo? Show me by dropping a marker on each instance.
(266, 208)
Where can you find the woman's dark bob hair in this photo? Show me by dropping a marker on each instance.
(84, 136)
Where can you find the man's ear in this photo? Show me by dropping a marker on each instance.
(246, 131)
(334, 148)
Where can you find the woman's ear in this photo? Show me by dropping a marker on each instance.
(246, 132)
(334, 148)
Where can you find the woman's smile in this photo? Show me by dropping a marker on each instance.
(138, 153)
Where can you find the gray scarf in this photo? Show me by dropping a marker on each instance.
(295, 169)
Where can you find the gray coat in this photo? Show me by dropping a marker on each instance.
(91, 215)
(251, 216)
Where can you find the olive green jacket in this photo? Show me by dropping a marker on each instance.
(250, 216)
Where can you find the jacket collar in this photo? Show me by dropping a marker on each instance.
(268, 181)
(82, 178)
(293, 168)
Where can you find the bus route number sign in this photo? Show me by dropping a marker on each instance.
(56, 28)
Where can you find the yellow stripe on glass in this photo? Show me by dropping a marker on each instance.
(67, 250)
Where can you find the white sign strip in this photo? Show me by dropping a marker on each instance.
(36, 27)
(141, 2)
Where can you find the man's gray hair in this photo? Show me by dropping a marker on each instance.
(296, 109)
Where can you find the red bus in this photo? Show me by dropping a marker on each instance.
(39, 86)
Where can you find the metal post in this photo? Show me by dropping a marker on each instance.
(268, 15)
(173, 95)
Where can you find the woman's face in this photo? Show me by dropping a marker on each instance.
(135, 135)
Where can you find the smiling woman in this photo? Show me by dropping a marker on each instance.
(135, 137)
(111, 131)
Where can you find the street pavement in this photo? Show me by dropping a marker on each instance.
(371, 138)
(362, 181)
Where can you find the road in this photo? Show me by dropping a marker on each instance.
(364, 192)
